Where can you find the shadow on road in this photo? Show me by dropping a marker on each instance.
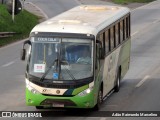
(62, 112)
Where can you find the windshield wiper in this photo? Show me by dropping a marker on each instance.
(65, 68)
(44, 75)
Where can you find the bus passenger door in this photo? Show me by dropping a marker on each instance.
(111, 72)
(108, 74)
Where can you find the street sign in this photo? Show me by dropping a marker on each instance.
(13, 6)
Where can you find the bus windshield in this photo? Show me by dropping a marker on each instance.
(61, 58)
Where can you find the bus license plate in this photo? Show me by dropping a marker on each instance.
(58, 105)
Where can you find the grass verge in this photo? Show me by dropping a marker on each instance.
(131, 1)
(23, 24)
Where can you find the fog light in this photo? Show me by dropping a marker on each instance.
(87, 104)
(30, 101)
(85, 92)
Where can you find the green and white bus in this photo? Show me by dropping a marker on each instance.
(77, 58)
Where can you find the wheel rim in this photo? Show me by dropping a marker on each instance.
(118, 82)
(100, 97)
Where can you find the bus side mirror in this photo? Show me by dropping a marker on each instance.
(23, 51)
(23, 54)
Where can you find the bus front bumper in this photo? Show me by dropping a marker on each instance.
(87, 101)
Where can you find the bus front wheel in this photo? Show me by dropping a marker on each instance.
(99, 100)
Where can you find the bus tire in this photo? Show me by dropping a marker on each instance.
(117, 86)
(99, 100)
(39, 107)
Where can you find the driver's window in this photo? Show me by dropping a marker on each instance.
(78, 54)
(71, 54)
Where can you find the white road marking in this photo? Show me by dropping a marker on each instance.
(149, 24)
(8, 64)
(44, 14)
(156, 21)
(103, 118)
(139, 8)
(142, 81)
(134, 33)
(143, 6)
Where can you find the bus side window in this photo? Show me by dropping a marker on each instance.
(107, 41)
(102, 39)
(104, 46)
(127, 29)
(114, 35)
(124, 29)
(117, 34)
(129, 24)
(112, 38)
(121, 31)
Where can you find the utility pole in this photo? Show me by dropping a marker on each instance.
(23, 5)
(13, 9)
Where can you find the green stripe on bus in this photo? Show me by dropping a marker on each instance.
(80, 89)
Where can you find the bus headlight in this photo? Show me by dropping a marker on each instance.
(34, 91)
(85, 92)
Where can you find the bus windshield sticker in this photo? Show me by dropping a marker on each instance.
(47, 39)
(39, 68)
(55, 75)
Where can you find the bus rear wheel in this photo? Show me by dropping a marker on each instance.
(117, 86)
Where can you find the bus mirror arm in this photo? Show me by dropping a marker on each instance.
(101, 53)
(23, 51)
(101, 50)
(23, 54)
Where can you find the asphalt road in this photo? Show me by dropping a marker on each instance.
(139, 89)
(54, 7)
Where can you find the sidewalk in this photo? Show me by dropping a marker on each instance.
(35, 10)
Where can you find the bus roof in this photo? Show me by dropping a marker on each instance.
(84, 19)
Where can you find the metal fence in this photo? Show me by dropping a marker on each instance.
(7, 34)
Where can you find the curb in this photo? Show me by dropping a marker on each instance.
(32, 8)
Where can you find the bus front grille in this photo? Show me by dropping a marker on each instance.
(52, 102)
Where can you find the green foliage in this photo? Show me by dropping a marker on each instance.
(131, 1)
(23, 24)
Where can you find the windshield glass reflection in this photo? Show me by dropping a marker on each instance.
(74, 58)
